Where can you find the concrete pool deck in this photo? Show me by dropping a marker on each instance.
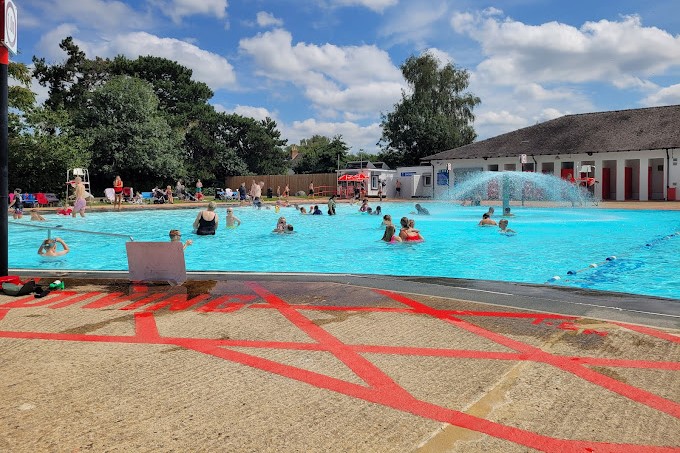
(336, 363)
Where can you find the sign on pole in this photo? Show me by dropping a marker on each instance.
(9, 25)
(523, 158)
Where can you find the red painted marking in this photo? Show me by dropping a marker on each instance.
(223, 304)
(594, 332)
(649, 331)
(74, 300)
(567, 326)
(175, 303)
(145, 327)
(112, 299)
(24, 302)
(536, 354)
(381, 389)
(139, 288)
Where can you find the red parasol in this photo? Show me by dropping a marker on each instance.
(349, 177)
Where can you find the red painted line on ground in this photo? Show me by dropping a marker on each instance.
(223, 305)
(20, 303)
(3, 312)
(636, 394)
(145, 327)
(113, 299)
(363, 368)
(436, 352)
(75, 300)
(649, 331)
(622, 363)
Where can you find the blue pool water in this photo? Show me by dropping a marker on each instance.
(549, 243)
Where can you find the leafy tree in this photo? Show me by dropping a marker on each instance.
(436, 116)
(129, 135)
(257, 143)
(319, 154)
(45, 149)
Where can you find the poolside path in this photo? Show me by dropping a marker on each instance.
(254, 364)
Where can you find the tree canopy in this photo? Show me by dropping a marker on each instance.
(320, 154)
(435, 116)
(145, 119)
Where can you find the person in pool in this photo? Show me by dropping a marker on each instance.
(232, 220)
(176, 236)
(507, 213)
(49, 247)
(35, 215)
(421, 210)
(503, 225)
(387, 220)
(486, 220)
(406, 234)
(280, 225)
(389, 235)
(206, 221)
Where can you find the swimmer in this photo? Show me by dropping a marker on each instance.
(503, 225)
(387, 220)
(507, 213)
(389, 235)
(406, 234)
(280, 225)
(49, 247)
(232, 220)
(36, 216)
(421, 210)
(490, 211)
(486, 220)
(176, 236)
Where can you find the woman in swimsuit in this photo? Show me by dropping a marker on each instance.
(389, 235)
(206, 221)
(118, 191)
(407, 233)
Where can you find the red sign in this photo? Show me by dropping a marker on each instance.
(348, 177)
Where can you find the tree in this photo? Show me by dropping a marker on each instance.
(437, 115)
(320, 154)
(129, 135)
(258, 144)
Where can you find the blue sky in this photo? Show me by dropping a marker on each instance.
(332, 66)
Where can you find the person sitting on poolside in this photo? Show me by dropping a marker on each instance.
(206, 221)
(389, 235)
(49, 247)
(176, 236)
(486, 220)
(421, 210)
(503, 225)
(232, 220)
(36, 216)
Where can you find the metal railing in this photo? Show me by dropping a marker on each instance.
(49, 229)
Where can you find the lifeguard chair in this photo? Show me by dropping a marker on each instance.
(84, 176)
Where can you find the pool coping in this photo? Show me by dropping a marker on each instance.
(604, 305)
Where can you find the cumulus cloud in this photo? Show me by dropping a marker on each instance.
(415, 22)
(178, 9)
(360, 137)
(265, 19)
(352, 78)
(555, 52)
(375, 5)
(103, 15)
(258, 113)
(207, 67)
(48, 45)
(665, 96)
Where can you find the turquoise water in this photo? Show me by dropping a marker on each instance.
(548, 243)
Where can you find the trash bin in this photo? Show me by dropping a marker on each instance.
(270, 193)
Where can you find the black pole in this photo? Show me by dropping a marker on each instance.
(4, 162)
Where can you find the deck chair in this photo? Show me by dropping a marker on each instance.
(128, 193)
(147, 197)
(29, 200)
(52, 199)
(109, 195)
(156, 261)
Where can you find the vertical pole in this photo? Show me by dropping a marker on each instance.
(4, 161)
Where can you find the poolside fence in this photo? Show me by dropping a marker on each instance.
(325, 184)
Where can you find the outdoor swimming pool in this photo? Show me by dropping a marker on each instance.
(549, 242)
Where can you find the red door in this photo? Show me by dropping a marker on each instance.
(628, 183)
(606, 190)
(649, 183)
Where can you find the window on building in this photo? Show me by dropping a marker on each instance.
(427, 180)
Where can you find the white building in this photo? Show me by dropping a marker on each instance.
(631, 154)
(369, 175)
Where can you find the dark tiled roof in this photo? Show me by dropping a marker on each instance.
(620, 130)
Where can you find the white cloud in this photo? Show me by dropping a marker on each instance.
(258, 113)
(415, 22)
(352, 78)
(665, 96)
(207, 67)
(48, 45)
(375, 5)
(103, 15)
(554, 52)
(359, 137)
(178, 9)
(265, 19)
